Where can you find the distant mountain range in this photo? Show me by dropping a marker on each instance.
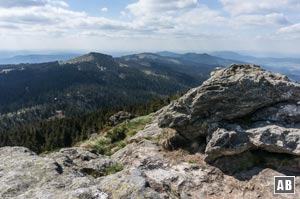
(201, 58)
(35, 58)
(261, 60)
(35, 92)
(289, 66)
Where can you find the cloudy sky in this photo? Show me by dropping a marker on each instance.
(150, 25)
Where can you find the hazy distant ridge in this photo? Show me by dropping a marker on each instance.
(36, 58)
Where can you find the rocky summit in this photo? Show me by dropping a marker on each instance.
(227, 138)
(239, 108)
(229, 94)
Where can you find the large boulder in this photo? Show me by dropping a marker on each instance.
(230, 93)
(239, 108)
(270, 138)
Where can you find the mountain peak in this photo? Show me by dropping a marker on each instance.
(98, 55)
(90, 57)
(142, 56)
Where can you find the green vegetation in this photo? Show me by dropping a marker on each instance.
(96, 173)
(117, 137)
(113, 169)
(193, 161)
(49, 135)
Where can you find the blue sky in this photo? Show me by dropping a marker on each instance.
(151, 25)
(93, 7)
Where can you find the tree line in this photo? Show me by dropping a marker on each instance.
(48, 135)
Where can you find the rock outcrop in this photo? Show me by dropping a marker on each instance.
(226, 139)
(239, 108)
(230, 93)
(23, 174)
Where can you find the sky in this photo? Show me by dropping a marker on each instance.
(151, 25)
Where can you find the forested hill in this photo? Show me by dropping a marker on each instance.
(91, 82)
(33, 94)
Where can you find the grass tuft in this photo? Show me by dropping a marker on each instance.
(117, 137)
(114, 169)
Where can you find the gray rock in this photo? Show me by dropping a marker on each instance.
(276, 139)
(138, 155)
(24, 175)
(151, 131)
(271, 138)
(70, 173)
(159, 174)
(169, 175)
(120, 117)
(128, 184)
(287, 114)
(224, 142)
(83, 160)
(240, 108)
(230, 93)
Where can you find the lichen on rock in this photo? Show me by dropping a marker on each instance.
(239, 108)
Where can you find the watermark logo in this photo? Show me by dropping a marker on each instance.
(284, 184)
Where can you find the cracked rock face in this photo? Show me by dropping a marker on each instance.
(271, 138)
(239, 108)
(230, 93)
(24, 175)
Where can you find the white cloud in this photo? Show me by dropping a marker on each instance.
(273, 19)
(104, 9)
(153, 7)
(123, 14)
(180, 23)
(173, 17)
(148, 17)
(239, 7)
(52, 18)
(57, 3)
(295, 28)
(46, 15)
(190, 18)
